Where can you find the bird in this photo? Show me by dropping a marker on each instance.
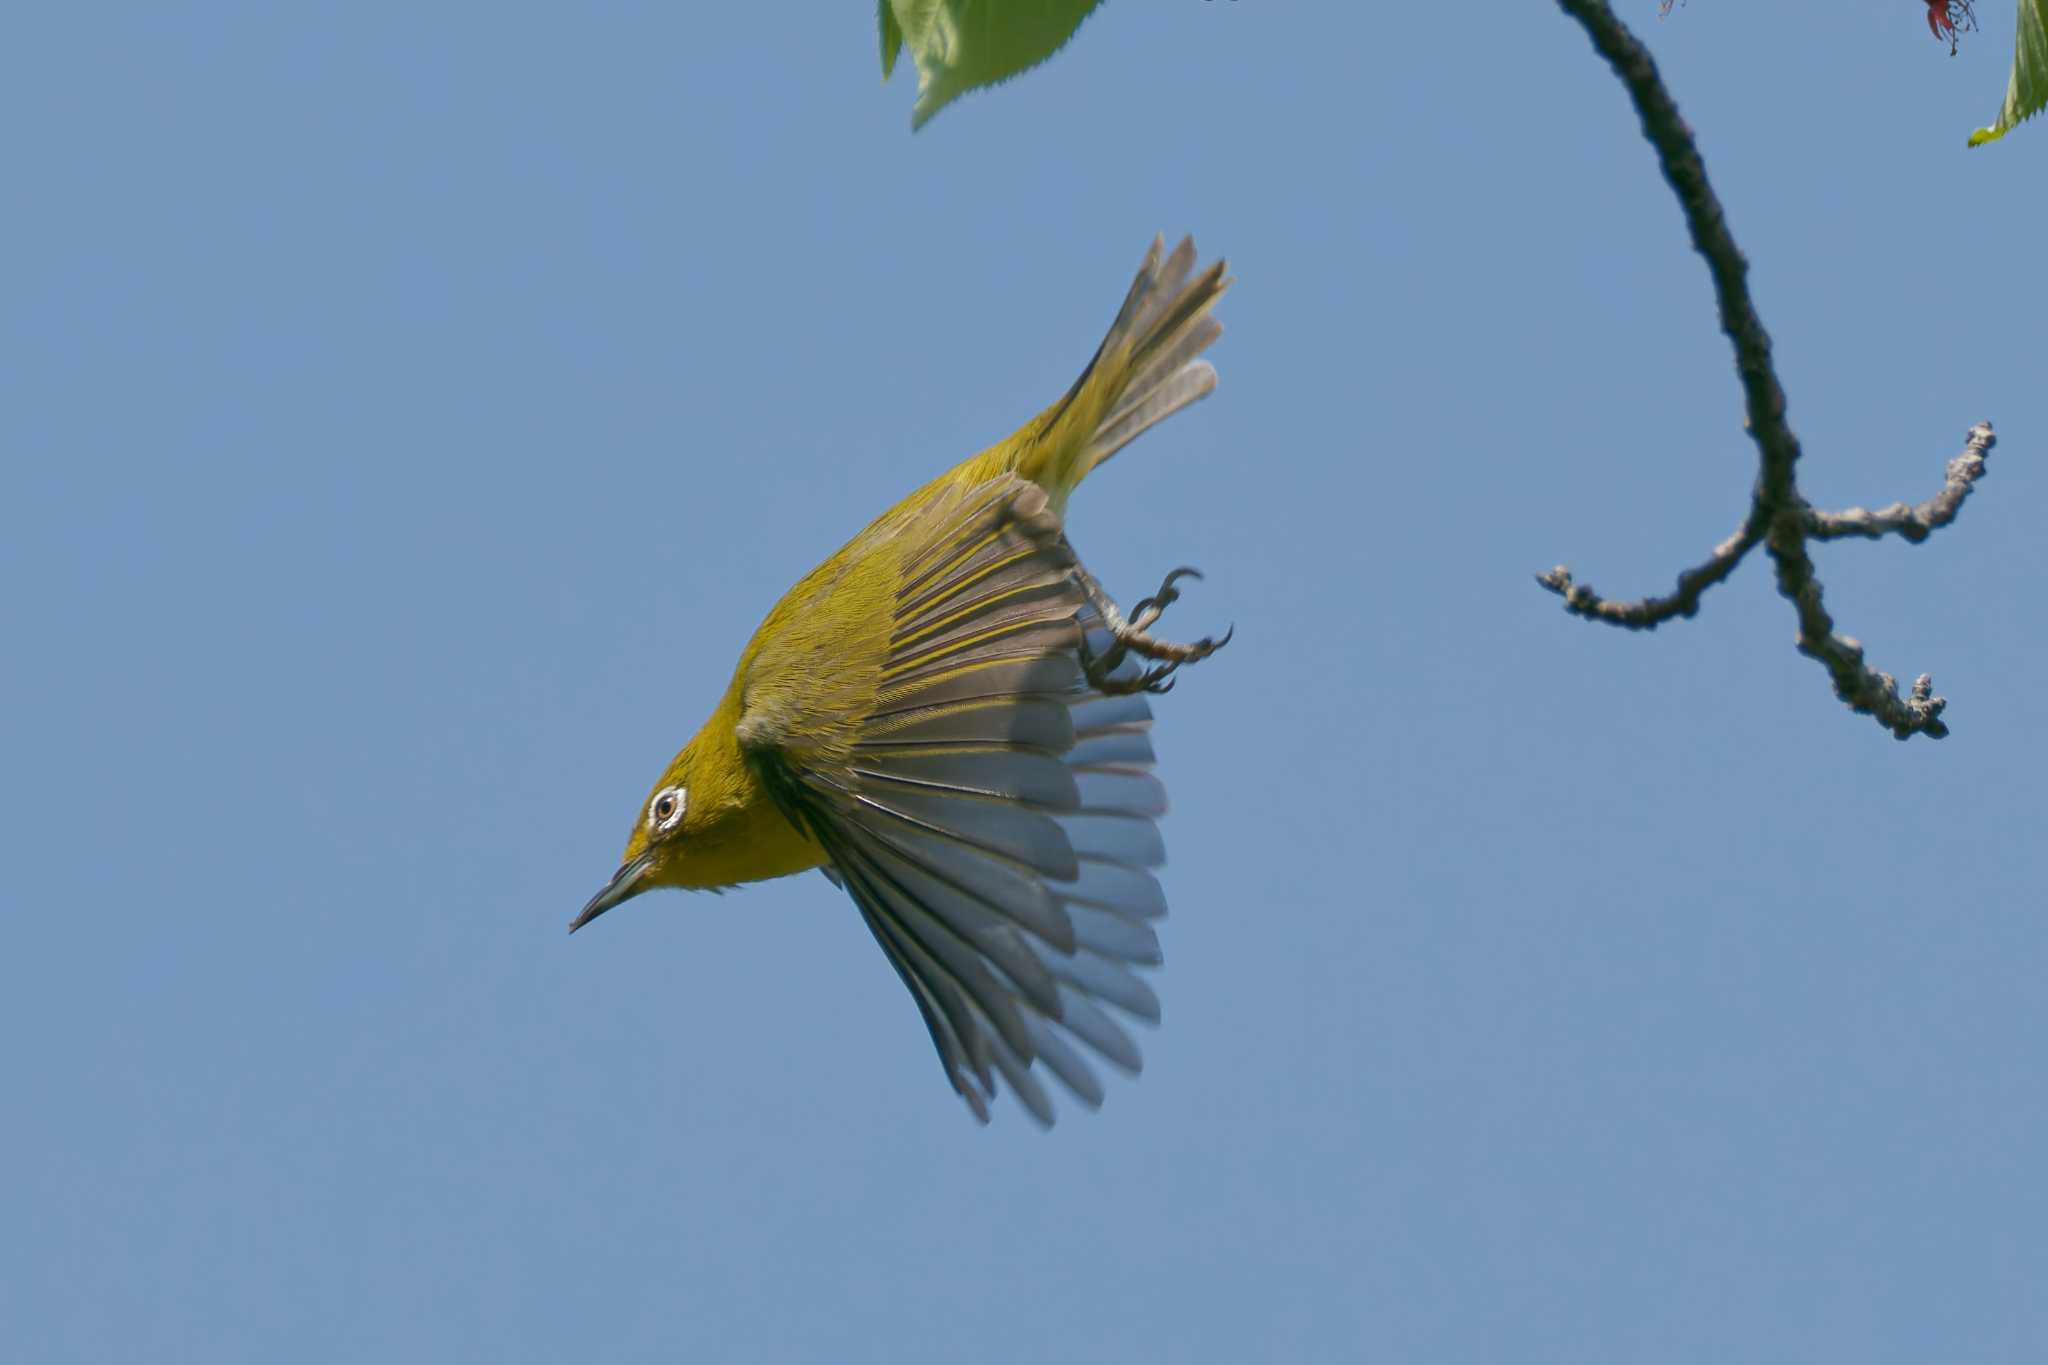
(950, 718)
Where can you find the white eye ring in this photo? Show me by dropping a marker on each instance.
(665, 811)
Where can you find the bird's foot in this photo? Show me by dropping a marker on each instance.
(1131, 635)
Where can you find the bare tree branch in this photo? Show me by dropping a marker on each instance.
(1913, 523)
(1779, 517)
(1650, 612)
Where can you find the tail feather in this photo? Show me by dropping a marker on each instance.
(1147, 408)
(1147, 368)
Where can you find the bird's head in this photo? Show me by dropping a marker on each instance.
(708, 823)
(654, 851)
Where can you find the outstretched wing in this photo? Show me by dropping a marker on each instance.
(990, 815)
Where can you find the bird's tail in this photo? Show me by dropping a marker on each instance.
(1148, 368)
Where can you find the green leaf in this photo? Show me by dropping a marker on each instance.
(2028, 89)
(892, 36)
(962, 45)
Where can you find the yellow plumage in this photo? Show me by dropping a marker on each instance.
(907, 715)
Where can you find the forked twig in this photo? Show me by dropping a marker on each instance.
(1779, 517)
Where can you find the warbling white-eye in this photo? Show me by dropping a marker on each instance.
(948, 717)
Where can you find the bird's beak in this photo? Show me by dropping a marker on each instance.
(629, 881)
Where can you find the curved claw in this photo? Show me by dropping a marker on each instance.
(1158, 681)
(1150, 609)
(1207, 645)
(1128, 635)
(1168, 594)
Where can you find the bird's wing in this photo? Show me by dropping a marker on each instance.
(991, 816)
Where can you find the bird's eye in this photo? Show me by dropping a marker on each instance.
(667, 808)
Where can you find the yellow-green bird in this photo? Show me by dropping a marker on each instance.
(948, 717)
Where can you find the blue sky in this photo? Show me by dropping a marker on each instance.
(409, 413)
